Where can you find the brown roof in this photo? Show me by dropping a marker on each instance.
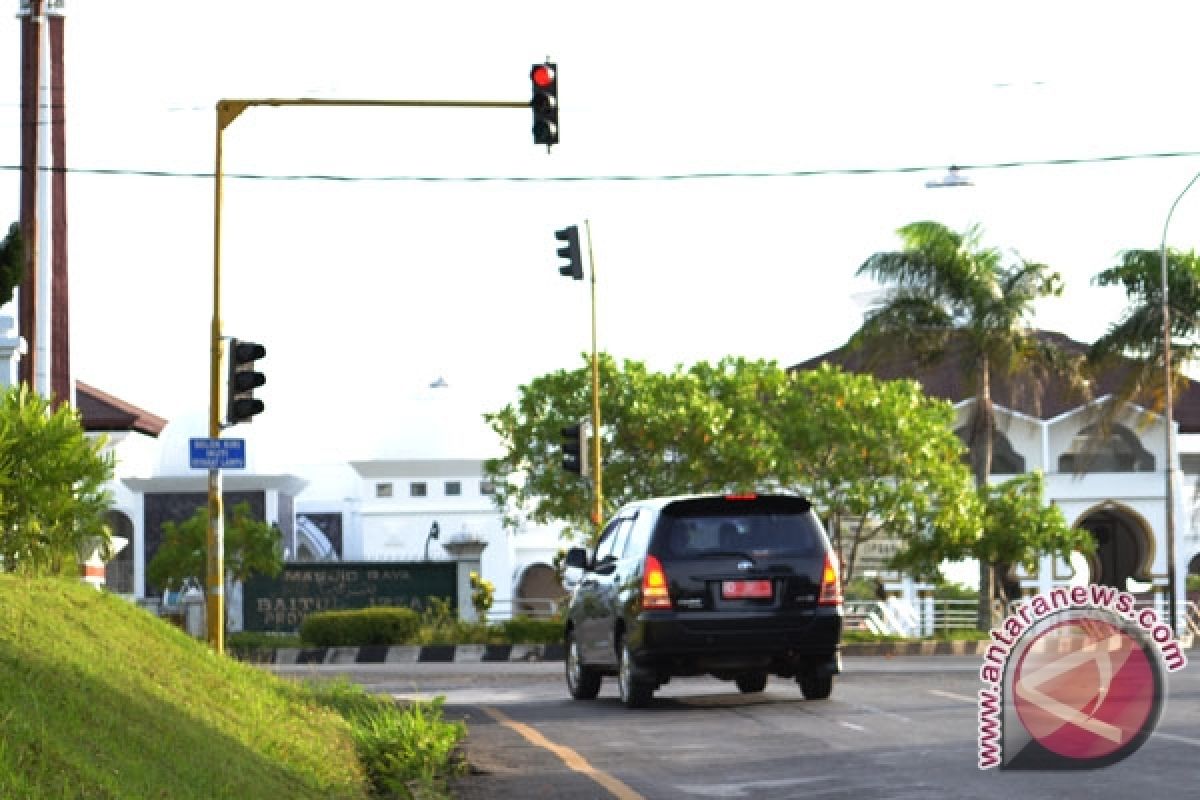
(103, 412)
(946, 380)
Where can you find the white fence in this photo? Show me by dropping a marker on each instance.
(932, 616)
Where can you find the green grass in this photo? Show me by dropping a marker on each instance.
(99, 699)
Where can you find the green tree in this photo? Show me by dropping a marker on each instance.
(12, 263)
(1018, 527)
(1135, 341)
(251, 547)
(52, 476)
(950, 298)
(694, 430)
(879, 460)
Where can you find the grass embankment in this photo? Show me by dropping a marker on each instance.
(99, 699)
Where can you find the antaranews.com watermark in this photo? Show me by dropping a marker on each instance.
(1074, 679)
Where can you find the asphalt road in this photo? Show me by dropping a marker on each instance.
(894, 728)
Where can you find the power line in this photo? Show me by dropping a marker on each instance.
(683, 176)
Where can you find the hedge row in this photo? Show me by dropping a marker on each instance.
(399, 626)
(355, 628)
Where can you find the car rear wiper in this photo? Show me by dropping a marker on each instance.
(724, 554)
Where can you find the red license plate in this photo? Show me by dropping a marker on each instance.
(737, 590)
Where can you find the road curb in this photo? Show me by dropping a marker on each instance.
(404, 654)
(492, 653)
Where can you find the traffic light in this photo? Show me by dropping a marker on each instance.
(570, 251)
(544, 103)
(243, 380)
(574, 449)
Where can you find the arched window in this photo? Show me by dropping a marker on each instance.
(1005, 460)
(1119, 451)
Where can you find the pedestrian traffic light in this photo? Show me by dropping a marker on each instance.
(544, 103)
(243, 380)
(574, 449)
(570, 251)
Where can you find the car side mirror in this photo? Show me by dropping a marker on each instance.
(577, 557)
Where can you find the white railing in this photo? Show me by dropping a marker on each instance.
(896, 617)
(932, 616)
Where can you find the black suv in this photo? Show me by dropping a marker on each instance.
(736, 586)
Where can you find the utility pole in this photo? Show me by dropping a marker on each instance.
(32, 19)
(42, 295)
(597, 471)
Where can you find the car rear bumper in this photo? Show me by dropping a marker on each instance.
(696, 643)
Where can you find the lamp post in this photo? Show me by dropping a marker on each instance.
(1168, 401)
(434, 531)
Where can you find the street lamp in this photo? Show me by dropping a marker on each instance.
(951, 180)
(1168, 401)
(434, 530)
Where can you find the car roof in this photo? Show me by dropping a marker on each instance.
(657, 503)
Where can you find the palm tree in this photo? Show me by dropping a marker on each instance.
(949, 298)
(1135, 342)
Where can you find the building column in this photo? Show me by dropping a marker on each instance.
(12, 347)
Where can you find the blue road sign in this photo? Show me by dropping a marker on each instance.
(217, 453)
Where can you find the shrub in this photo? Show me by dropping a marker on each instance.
(261, 640)
(526, 630)
(407, 752)
(483, 592)
(367, 626)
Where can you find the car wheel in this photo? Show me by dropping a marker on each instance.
(583, 683)
(749, 682)
(815, 687)
(634, 693)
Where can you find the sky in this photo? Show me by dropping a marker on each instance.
(815, 127)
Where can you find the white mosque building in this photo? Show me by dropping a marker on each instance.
(417, 491)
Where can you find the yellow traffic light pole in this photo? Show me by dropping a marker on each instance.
(597, 461)
(227, 112)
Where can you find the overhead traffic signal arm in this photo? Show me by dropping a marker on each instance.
(544, 102)
(242, 405)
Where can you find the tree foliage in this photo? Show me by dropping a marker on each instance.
(877, 458)
(251, 547)
(52, 496)
(12, 263)
(693, 430)
(947, 297)
(1136, 339)
(1017, 527)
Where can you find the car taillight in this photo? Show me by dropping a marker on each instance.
(743, 496)
(654, 585)
(831, 587)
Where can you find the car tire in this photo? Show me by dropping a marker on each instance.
(634, 693)
(750, 682)
(582, 682)
(815, 687)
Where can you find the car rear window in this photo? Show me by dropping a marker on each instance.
(763, 526)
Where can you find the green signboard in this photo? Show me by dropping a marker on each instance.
(281, 603)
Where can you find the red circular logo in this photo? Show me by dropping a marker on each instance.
(1084, 689)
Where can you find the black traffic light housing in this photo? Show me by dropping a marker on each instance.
(243, 380)
(544, 102)
(570, 251)
(574, 449)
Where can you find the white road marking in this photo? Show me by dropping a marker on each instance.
(744, 789)
(1174, 737)
(953, 696)
(851, 725)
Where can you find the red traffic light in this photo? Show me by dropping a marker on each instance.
(542, 75)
